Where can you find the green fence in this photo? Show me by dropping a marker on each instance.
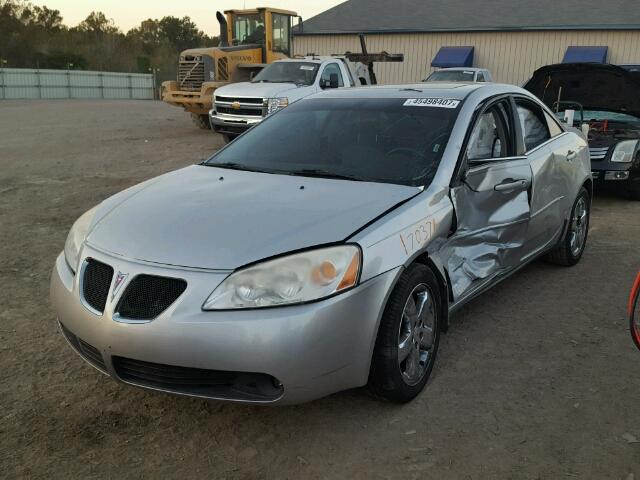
(19, 83)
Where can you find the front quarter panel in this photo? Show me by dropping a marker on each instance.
(420, 225)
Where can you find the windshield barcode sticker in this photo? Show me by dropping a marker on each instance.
(432, 102)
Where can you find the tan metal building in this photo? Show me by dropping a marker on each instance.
(512, 38)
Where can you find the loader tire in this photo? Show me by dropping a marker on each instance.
(202, 121)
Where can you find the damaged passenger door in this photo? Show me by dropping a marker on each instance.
(550, 153)
(491, 200)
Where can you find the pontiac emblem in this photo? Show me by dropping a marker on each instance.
(235, 105)
(120, 278)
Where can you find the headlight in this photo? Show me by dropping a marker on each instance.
(275, 104)
(297, 278)
(624, 151)
(76, 237)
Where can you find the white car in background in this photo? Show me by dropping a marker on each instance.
(240, 106)
(460, 74)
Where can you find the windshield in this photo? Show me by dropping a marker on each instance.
(248, 29)
(601, 116)
(377, 140)
(288, 72)
(451, 76)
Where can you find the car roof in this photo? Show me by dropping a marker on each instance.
(461, 69)
(452, 90)
(312, 59)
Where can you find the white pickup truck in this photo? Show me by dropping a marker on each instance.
(239, 106)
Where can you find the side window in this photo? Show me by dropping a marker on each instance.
(490, 135)
(328, 70)
(480, 77)
(554, 128)
(281, 35)
(534, 125)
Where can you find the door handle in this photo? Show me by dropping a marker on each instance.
(571, 155)
(511, 185)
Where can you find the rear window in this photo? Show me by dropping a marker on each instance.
(378, 140)
(451, 76)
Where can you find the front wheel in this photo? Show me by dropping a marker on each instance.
(408, 336)
(571, 246)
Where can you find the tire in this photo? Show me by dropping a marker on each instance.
(633, 192)
(567, 253)
(228, 138)
(201, 121)
(390, 375)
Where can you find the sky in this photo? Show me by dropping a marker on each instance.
(129, 13)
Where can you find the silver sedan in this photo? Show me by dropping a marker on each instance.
(326, 248)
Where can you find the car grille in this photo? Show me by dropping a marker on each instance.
(190, 75)
(200, 382)
(88, 352)
(147, 296)
(96, 284)
(598, 153)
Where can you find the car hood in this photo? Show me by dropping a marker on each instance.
(213, 218)
(595, 86)
(262, 90)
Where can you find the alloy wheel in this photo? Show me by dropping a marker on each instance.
(416, 334)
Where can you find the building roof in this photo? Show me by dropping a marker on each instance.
(383, 16)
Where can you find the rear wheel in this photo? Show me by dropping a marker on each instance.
(228, 138)
(408, 337)
(571, 247)
(201, 121)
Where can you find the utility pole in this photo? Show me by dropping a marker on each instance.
(3, 62)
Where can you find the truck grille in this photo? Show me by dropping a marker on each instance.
(239, 111)
(96, 284)
(252, 101)
(190, 74)
(598, 153)
(147, 296)
(251, 107)
(88, 352)
(223, 69)
(197, 381)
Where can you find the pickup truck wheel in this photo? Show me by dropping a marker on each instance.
(228, 138)
(571, 247)
(202, 121)
(408, 337)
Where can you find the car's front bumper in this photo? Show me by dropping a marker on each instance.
(618, 177)
(312, 350)
(232, 124)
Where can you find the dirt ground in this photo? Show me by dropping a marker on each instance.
(537, 379)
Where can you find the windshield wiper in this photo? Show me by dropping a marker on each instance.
(311, 172)
(237, 166)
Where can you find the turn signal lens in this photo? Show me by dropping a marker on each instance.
(351, 275)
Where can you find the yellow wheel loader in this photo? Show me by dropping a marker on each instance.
(249, 40)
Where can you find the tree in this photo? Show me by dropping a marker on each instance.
(97, 22)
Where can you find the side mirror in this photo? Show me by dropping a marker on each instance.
(251, 75)
(333, 81)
